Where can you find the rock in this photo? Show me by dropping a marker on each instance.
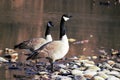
(36, 77)
(106, 71)
(74, 58)
(64, 72)
(111, 62)
(87, 63)
(72, 65)
(79, 77)
(117, 65)
(106, 65)
(43, 72)
(82, 68)
(76, 72)
(59, 77)
(3, 59)
(93, 68)
(114, 73)
(61, 65)
(103, 75)
(87, 76)
(98, 78)
(94, 57)
(44, 77)
(113, 78)
(89, 72)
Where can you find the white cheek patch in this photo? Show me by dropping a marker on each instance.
(49, 24)
(66, 18)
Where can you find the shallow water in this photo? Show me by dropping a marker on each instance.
(23, 20)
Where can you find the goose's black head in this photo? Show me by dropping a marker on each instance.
(50, 24)
(66, 17)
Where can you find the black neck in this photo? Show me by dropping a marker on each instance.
(62, 28)
(47, 32)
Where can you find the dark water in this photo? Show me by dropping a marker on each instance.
(22, 20)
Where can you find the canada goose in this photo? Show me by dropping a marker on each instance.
(56, 49)
(36, 43)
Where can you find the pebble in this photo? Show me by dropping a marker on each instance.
(75, 70)
(117, 65)
(59, 77)
(3, 59)
(90, 73)
(94, 68)
(79, 77)
(113, 78)
(103, 75)
(98, 78)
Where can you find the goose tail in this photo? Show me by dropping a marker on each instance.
(21, 46)
(16, 46)
(32, 56)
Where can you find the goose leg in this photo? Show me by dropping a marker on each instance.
(52, 69)
(51, 64)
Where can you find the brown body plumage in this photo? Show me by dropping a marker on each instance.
(56, 49)
(36, 43)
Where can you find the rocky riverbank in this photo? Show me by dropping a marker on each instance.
(72, 69)
(103, 67)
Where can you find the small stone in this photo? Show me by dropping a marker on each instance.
(98, 78)
(114, 73)
(76, 72)
(61, 78)
(36, 77)
(88, 76)
(87, 63)
(61, 65)
(110, 62)
(64, 72)
(103, 75)
(3, 59)
(72, 65)
(106, 65)
(112, 78)
(42, 73)
(93, 68)
(79, 77)
(90, 73)
(94, 57)
(117, 65)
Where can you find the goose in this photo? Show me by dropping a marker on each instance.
(57, 49)
(35, 43)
